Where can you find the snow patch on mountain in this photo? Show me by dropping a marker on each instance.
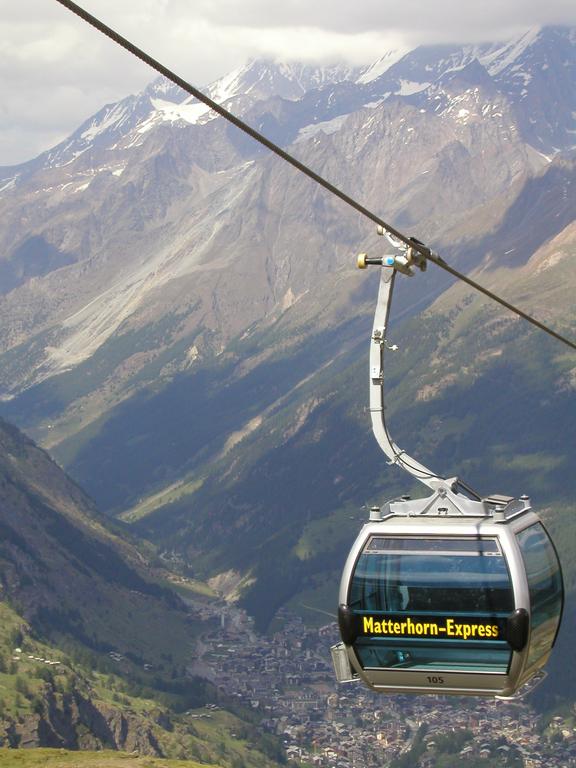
(168, 111)
(82, 187)
(409, 87)
(326, 126)
(235, 83)
(382, 65)
(8, 184)
(114, 117)
(496, 61)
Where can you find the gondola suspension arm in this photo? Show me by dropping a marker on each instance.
(406, 260)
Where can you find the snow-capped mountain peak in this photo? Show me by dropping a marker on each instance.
(453, 111)
(162, 101)
(264, 78)
(516, 68)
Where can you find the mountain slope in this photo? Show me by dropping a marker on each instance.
(473, 392)
(93, 652)
(158, 194)
(191, 349)
(64, 571)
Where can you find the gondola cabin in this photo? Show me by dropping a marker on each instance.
(453, 593)
(461, 605)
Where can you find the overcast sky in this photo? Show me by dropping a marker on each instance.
(56, 71)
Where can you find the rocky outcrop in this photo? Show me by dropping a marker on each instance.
(72, 721)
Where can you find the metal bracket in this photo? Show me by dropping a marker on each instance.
(403, 262)
(406, 261)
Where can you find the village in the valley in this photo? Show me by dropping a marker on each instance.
(287, 677)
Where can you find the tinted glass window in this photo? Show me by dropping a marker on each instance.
(545, 585)
(466, 575)
(434, 577)
(375, 654)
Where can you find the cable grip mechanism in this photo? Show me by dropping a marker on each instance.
(404, 261)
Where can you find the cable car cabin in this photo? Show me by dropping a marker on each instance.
(448, 604)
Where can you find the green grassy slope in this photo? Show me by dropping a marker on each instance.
(66, 697)
(62, 758)
(93, 649)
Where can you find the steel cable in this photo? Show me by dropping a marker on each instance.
(408, 241)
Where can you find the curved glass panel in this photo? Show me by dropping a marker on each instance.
(545, 586)
(432, 603)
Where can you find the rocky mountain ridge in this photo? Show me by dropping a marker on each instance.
(137, 167)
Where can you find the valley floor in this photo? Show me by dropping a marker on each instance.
(287, 677)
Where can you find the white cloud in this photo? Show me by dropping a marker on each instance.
(55, 70)
(312, 44)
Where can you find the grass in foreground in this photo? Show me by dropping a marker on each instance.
(63, 758)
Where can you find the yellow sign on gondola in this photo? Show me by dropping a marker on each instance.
(449, 628)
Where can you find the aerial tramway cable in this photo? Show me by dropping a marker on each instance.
(410, 242)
